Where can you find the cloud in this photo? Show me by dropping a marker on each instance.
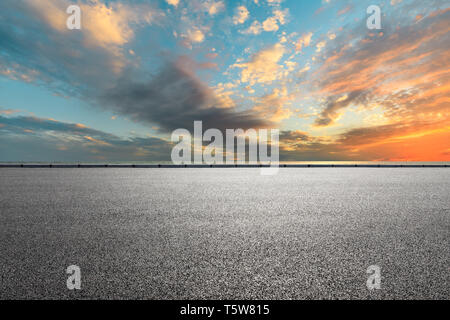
(195, 35)
(172, 98)
(264, 66)
(294, 136)
(275, 105)
(8, 111)
(38, 139)
(213, 7)
(20, 123)
(112, 25)
(399, 70)
(255, 28)
(399, 74)
(303, 41)
(241, 15)
(224, 93)
(274, 2)
(270, 24)
(173, 2)
(344, 11)
(418, 141)
(175, 98)
(35, 48)
(320, 45)
(394, 2)
(281, 15)
(331, 112)
(102, 25)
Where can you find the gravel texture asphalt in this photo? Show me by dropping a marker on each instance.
(228, 233)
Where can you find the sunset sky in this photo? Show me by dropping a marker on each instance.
(137, 70)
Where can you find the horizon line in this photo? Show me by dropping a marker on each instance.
(199, 166)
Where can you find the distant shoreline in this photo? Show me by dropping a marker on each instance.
(306, 165)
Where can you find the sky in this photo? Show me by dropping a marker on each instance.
(136, 71)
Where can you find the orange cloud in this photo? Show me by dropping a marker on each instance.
(264, 66)
(402, 73)
(101, 24)
(418, 141)
(8, 111)
(275, 105)
(96, 141)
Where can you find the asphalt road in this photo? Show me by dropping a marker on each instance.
(225, 233)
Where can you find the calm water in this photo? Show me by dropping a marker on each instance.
(225, 233)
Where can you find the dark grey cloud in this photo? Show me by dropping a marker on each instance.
(301, 146)
(36, 139)
(21, 123)
(175, 98)
(334, 104)
(294, 136)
